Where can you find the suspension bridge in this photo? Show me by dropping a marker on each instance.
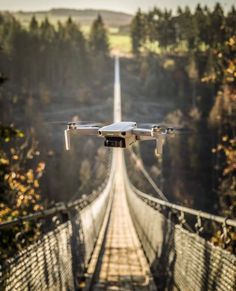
(119, 238)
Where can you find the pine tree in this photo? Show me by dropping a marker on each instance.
(33, 26)
(138, 34)
(98, 38)
(200, 20)
(152, 23)
(33, 56)
(47, 57)
(166, 30)
(217, 27)
(76, 56)
(47, 30)
(188, 28)
(231, 22)
(3, 78)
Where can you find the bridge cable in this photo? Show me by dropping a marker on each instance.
(147, 176)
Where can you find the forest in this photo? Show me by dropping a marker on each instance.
(186, 62)
(182, 72)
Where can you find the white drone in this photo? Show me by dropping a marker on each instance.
(120, 134)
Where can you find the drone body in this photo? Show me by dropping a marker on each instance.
(120, 134)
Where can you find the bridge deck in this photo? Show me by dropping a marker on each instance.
(121, 264)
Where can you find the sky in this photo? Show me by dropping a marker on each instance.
(129, 6)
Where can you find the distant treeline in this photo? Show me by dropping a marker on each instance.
(185, 30)
(47, 57)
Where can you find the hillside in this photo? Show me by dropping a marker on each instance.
(84, 17)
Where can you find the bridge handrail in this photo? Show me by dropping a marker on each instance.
(194, 212)
(59, 207)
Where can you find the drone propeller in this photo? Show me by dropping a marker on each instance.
(82, 123)
(85, 124)
(164, 128)
(57, 122)
(149, 125)
(184, 130)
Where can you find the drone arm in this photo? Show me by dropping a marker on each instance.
(142, 134)
(86, 130)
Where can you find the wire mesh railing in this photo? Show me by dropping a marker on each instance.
(180, 259)
(44, 265)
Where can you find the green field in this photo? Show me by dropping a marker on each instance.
(121, 43)
(118, 42)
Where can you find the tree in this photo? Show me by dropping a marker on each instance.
(166, 30)
(47, 35)
(33, 26)
(33, 55)
(138, 33)
(231, 22)
(186, 27)
(98, 38)
(47, 30)
(200, 19)
(70, 56)
(216, 29)
(3, 78)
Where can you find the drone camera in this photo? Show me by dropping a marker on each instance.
(114, 142)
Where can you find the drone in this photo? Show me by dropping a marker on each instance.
(120, 134)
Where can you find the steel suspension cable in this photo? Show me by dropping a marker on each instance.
(147, 176)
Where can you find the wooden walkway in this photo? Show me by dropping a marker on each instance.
(118, 262)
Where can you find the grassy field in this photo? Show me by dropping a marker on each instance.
(120, 43)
